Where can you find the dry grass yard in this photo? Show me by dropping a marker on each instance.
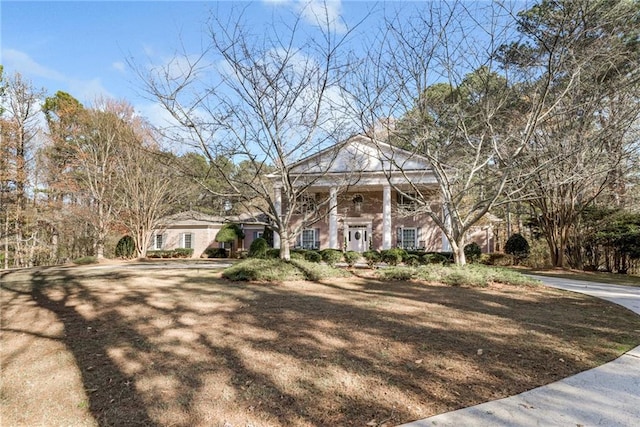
(114, 346)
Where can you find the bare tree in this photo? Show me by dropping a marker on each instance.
(472, 95)
(20, 126)
(145, 191)
(107, 129)
(454, 105)
(263, 100)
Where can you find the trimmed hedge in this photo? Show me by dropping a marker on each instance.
(331, 256)
(393, 256)
(351, 257)
(313, 256)
(175, 253)
(412, 260)
(212, 252)
(372, 258)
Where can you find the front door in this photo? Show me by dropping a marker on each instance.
(358, 238)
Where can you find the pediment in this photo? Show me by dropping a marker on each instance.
(361, 154)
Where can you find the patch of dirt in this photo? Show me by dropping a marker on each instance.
(89, 346)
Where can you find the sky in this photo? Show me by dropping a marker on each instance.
(82, 47)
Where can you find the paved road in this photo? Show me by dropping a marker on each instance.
(608, 395)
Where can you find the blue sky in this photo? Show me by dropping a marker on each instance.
(81, 47)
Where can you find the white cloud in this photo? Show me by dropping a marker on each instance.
(84, 90)
(156, 114)
(323, 13)
(88, 90)
(320, 13)
(120, 66)
(23, 63)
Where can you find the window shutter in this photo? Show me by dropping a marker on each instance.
(316, 240)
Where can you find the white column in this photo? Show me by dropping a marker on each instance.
(333, 218)
(386, 217)
(446, 246)
(277, 204)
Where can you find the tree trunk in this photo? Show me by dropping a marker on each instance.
(285, 250)
(6, 241)
(457, 247)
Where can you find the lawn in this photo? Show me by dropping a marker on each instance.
(88, 346)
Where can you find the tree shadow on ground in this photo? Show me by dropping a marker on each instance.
(179, 348)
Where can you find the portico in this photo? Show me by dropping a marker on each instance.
(357, 185)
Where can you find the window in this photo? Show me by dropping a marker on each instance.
(406, 201)
(257, 234)
(308, 239)
(306, 204)
(407, 238)
(357, 202)
(158, 242)
(187, 241)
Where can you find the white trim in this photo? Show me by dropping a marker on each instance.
(386, 217)
(277, 204)
(333, 218)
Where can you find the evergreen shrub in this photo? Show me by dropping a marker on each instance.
(258, 248)
(372, 258)
(472, 252)
(125, 248)
(331, 256)
(517, 246)
(351, 257)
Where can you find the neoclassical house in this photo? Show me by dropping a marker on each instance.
(353, 202)
(365, 187)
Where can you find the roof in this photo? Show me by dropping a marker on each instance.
(359, 154)
(194, 218)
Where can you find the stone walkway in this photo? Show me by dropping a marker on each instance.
(608, 395)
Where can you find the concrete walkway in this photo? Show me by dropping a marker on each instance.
(608, 395)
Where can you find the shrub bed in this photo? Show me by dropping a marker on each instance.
(173, 253)
(454, 275)
(85, 260)
(277, 270)
(211, 252)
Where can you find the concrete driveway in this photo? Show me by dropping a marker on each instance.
(608, 395)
